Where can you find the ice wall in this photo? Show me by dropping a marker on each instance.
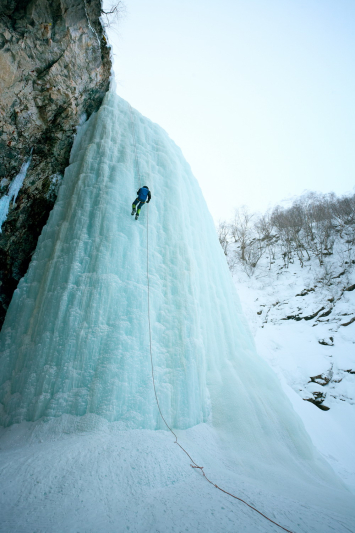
(75, 339)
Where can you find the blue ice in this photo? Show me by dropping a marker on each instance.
(13, 191)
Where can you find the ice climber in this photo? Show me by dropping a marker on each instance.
(143, 194)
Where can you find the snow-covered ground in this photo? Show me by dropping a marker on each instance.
(314, 358)
(86, 475)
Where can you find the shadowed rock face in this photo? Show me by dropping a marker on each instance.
(54, 71)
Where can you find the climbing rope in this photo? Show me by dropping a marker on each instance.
(194, 465)
(133, 129)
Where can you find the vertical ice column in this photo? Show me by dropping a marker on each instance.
(76, 335)
(13, 191)
(75, 339)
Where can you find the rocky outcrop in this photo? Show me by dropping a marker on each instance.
(54, 72)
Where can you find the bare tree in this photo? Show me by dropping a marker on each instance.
(343, 210)
(310, 227)
(241, 229)
(264, 229)
(222, 232)
(113, 13)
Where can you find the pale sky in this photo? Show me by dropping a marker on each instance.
(258, 94)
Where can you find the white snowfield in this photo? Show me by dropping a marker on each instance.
(313, 358)
(83, 448)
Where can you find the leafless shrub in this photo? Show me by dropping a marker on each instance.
(241, 229)
(113, 13)
(249, 234)
(343, 210)
(222, 232)
(326, 274)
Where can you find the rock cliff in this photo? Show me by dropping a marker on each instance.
(54, 71)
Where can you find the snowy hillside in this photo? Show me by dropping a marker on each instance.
(302, 315)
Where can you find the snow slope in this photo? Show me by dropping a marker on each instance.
(87, 475)
(314, 358)
(82, 447)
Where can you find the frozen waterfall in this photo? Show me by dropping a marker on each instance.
(75, 338)
(75, 342)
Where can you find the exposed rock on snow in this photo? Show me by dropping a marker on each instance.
(326, 342)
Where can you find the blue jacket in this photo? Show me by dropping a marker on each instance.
(143, 193)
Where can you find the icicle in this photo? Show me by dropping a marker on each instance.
(13, 191)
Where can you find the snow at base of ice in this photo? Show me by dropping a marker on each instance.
(85, 475)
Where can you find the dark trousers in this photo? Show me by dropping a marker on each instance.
(139, 206)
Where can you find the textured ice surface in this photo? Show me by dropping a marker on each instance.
(75, 340)
(76, 336)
